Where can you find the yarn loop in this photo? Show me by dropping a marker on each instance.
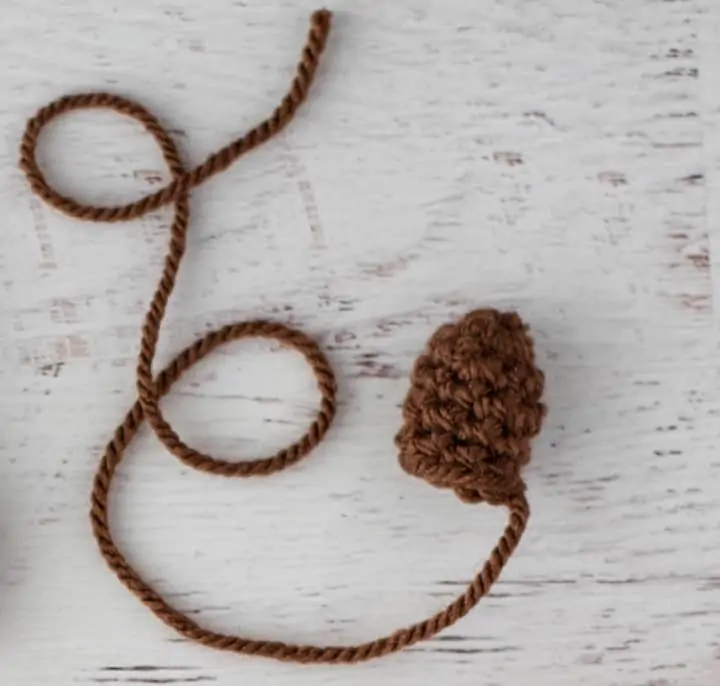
(469, 416)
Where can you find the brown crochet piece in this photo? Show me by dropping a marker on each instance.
(473, 406)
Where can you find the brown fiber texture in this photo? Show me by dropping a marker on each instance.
(473, 406)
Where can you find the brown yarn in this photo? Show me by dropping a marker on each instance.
(473, 406)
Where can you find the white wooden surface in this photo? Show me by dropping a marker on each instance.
(557, 157)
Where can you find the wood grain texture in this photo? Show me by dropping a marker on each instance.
(561, 158)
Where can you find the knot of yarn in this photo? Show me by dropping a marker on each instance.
(473, 408)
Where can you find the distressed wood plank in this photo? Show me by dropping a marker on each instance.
(559, 158)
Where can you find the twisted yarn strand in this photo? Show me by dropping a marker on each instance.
(150, 388)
